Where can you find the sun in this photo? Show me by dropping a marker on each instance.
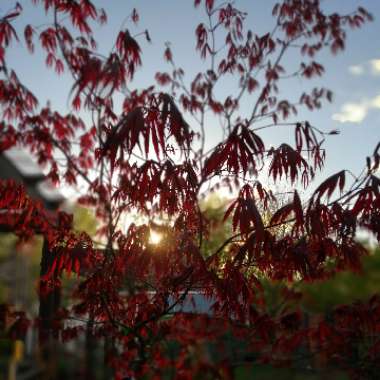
(154, 237)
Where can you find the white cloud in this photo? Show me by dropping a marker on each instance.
(352, 113)
(375, 66)
(371, 67)
(375, 102)
(356, 112)
(356, 69)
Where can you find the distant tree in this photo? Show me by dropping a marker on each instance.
(151, 159)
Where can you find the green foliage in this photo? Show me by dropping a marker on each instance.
(7, 243)
(12, 254)
(213, 209)
(84, 220)
(344, 288)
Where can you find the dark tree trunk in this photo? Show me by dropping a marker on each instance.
(91, 347)
(49, 304)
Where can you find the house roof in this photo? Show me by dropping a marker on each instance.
(19, 165)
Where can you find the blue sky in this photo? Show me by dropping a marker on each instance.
(354, 75)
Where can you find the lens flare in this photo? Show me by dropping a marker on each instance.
(155, 237)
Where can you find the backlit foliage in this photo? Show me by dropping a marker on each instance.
(151, 159)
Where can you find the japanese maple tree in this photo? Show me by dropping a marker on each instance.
(152, 158)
